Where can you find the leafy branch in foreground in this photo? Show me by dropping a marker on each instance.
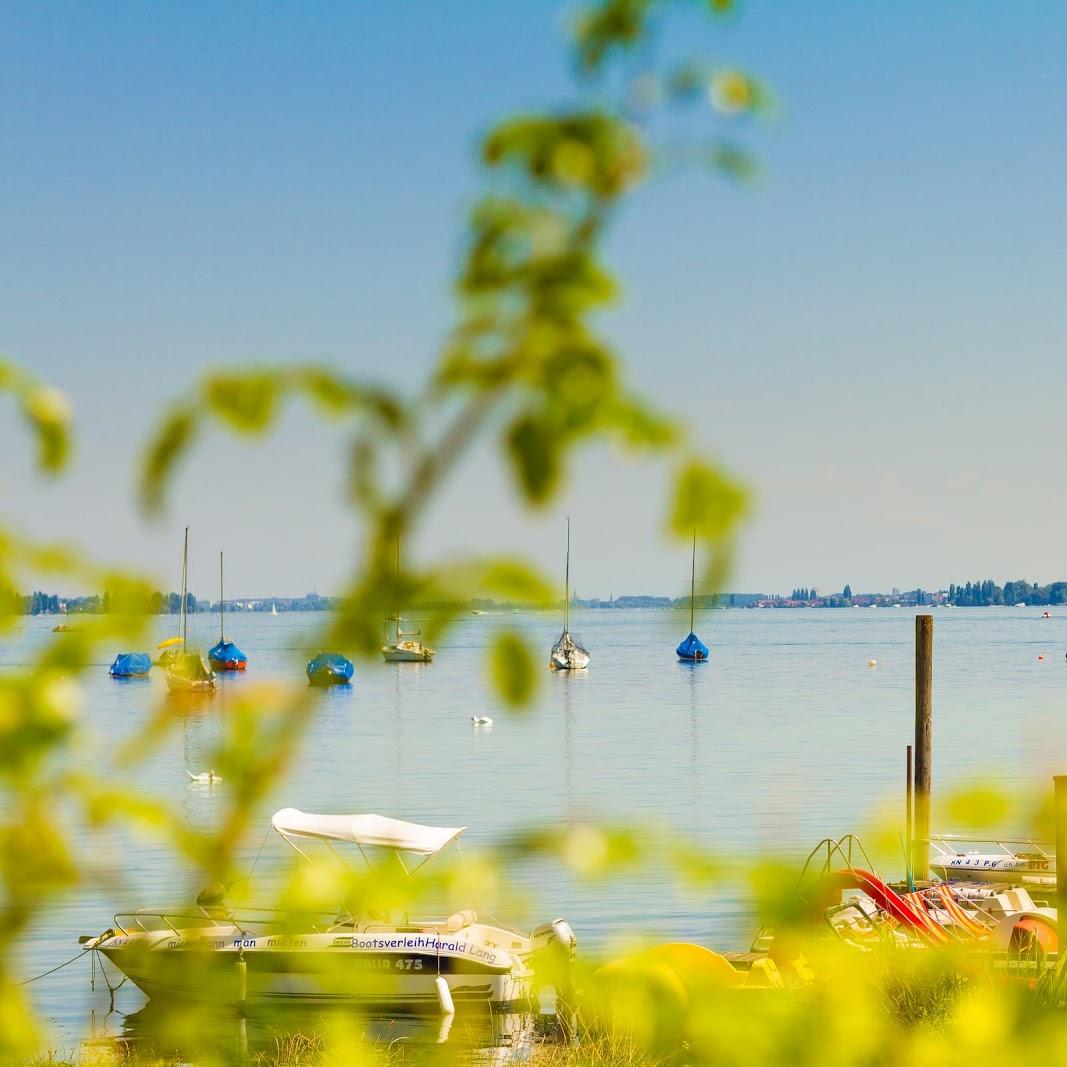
(525, 360)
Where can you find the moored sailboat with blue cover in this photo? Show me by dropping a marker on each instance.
(225, 656)
(692, 649)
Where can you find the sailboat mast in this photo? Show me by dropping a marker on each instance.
(693, 585)
(185, 588)
(222, 605)
(567, 581)
(396, 591)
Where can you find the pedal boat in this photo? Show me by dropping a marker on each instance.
(260, 957)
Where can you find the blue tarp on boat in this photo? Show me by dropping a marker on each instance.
(128, 664)
(693, 648)
(226, 654)
(329, 668)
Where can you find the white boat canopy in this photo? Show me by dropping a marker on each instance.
(366, 830)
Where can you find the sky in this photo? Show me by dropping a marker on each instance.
(868, 336)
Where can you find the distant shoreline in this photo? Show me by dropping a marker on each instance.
(286, 605)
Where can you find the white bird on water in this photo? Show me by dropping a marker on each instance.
(481, 720)
(204, 777)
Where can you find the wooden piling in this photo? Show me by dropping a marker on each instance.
(1059, 782)
(924, 685)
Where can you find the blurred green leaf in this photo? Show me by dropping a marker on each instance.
(978, 806)
(47, 412)
(534, 452)
(707, 501)
(246, 401)
(512, 670)
(169, 443)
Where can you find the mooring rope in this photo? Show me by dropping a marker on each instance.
(80, 955)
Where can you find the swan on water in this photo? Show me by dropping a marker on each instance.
(204, 777)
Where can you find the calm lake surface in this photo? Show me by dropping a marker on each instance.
(784, 737)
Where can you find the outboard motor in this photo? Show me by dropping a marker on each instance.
(552, 959)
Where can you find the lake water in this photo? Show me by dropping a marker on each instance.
(785, 736)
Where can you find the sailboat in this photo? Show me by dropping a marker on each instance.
(274, 609)
(225, 656)
(406, 646)
(188, 673)
(567, 654)
(692, 649)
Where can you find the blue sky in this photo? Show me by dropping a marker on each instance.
(869, 335)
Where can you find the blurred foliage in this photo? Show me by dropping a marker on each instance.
(524, 361)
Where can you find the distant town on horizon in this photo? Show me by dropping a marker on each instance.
(968, 595)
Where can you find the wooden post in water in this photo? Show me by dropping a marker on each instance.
(924, 705)
(1059, 782)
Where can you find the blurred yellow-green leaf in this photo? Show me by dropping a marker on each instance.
(534, 452)
(512, 670)
(707, 501)
(978, 806)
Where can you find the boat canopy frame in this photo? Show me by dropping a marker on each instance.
(365, 831)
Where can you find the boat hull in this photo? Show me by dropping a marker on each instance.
(227, 664)
(569, 661)
(391, 654)
(177, 684)
(994, 867)
(378, 971)
(325, 679)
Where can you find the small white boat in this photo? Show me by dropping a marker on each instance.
(274, 609)
(407, 648)
(406, 645)
(190, 674)
(211, 953)
(567, 654)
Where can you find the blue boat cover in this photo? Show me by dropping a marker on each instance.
(226, 652)
(130, 663)
(330, 664)
(693, 648)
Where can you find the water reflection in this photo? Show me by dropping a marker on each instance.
(696, 777)
(174, 1030)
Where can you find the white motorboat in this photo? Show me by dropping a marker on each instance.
(261, 956)
(1015, 861)
(567, 654)
(186, 672)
